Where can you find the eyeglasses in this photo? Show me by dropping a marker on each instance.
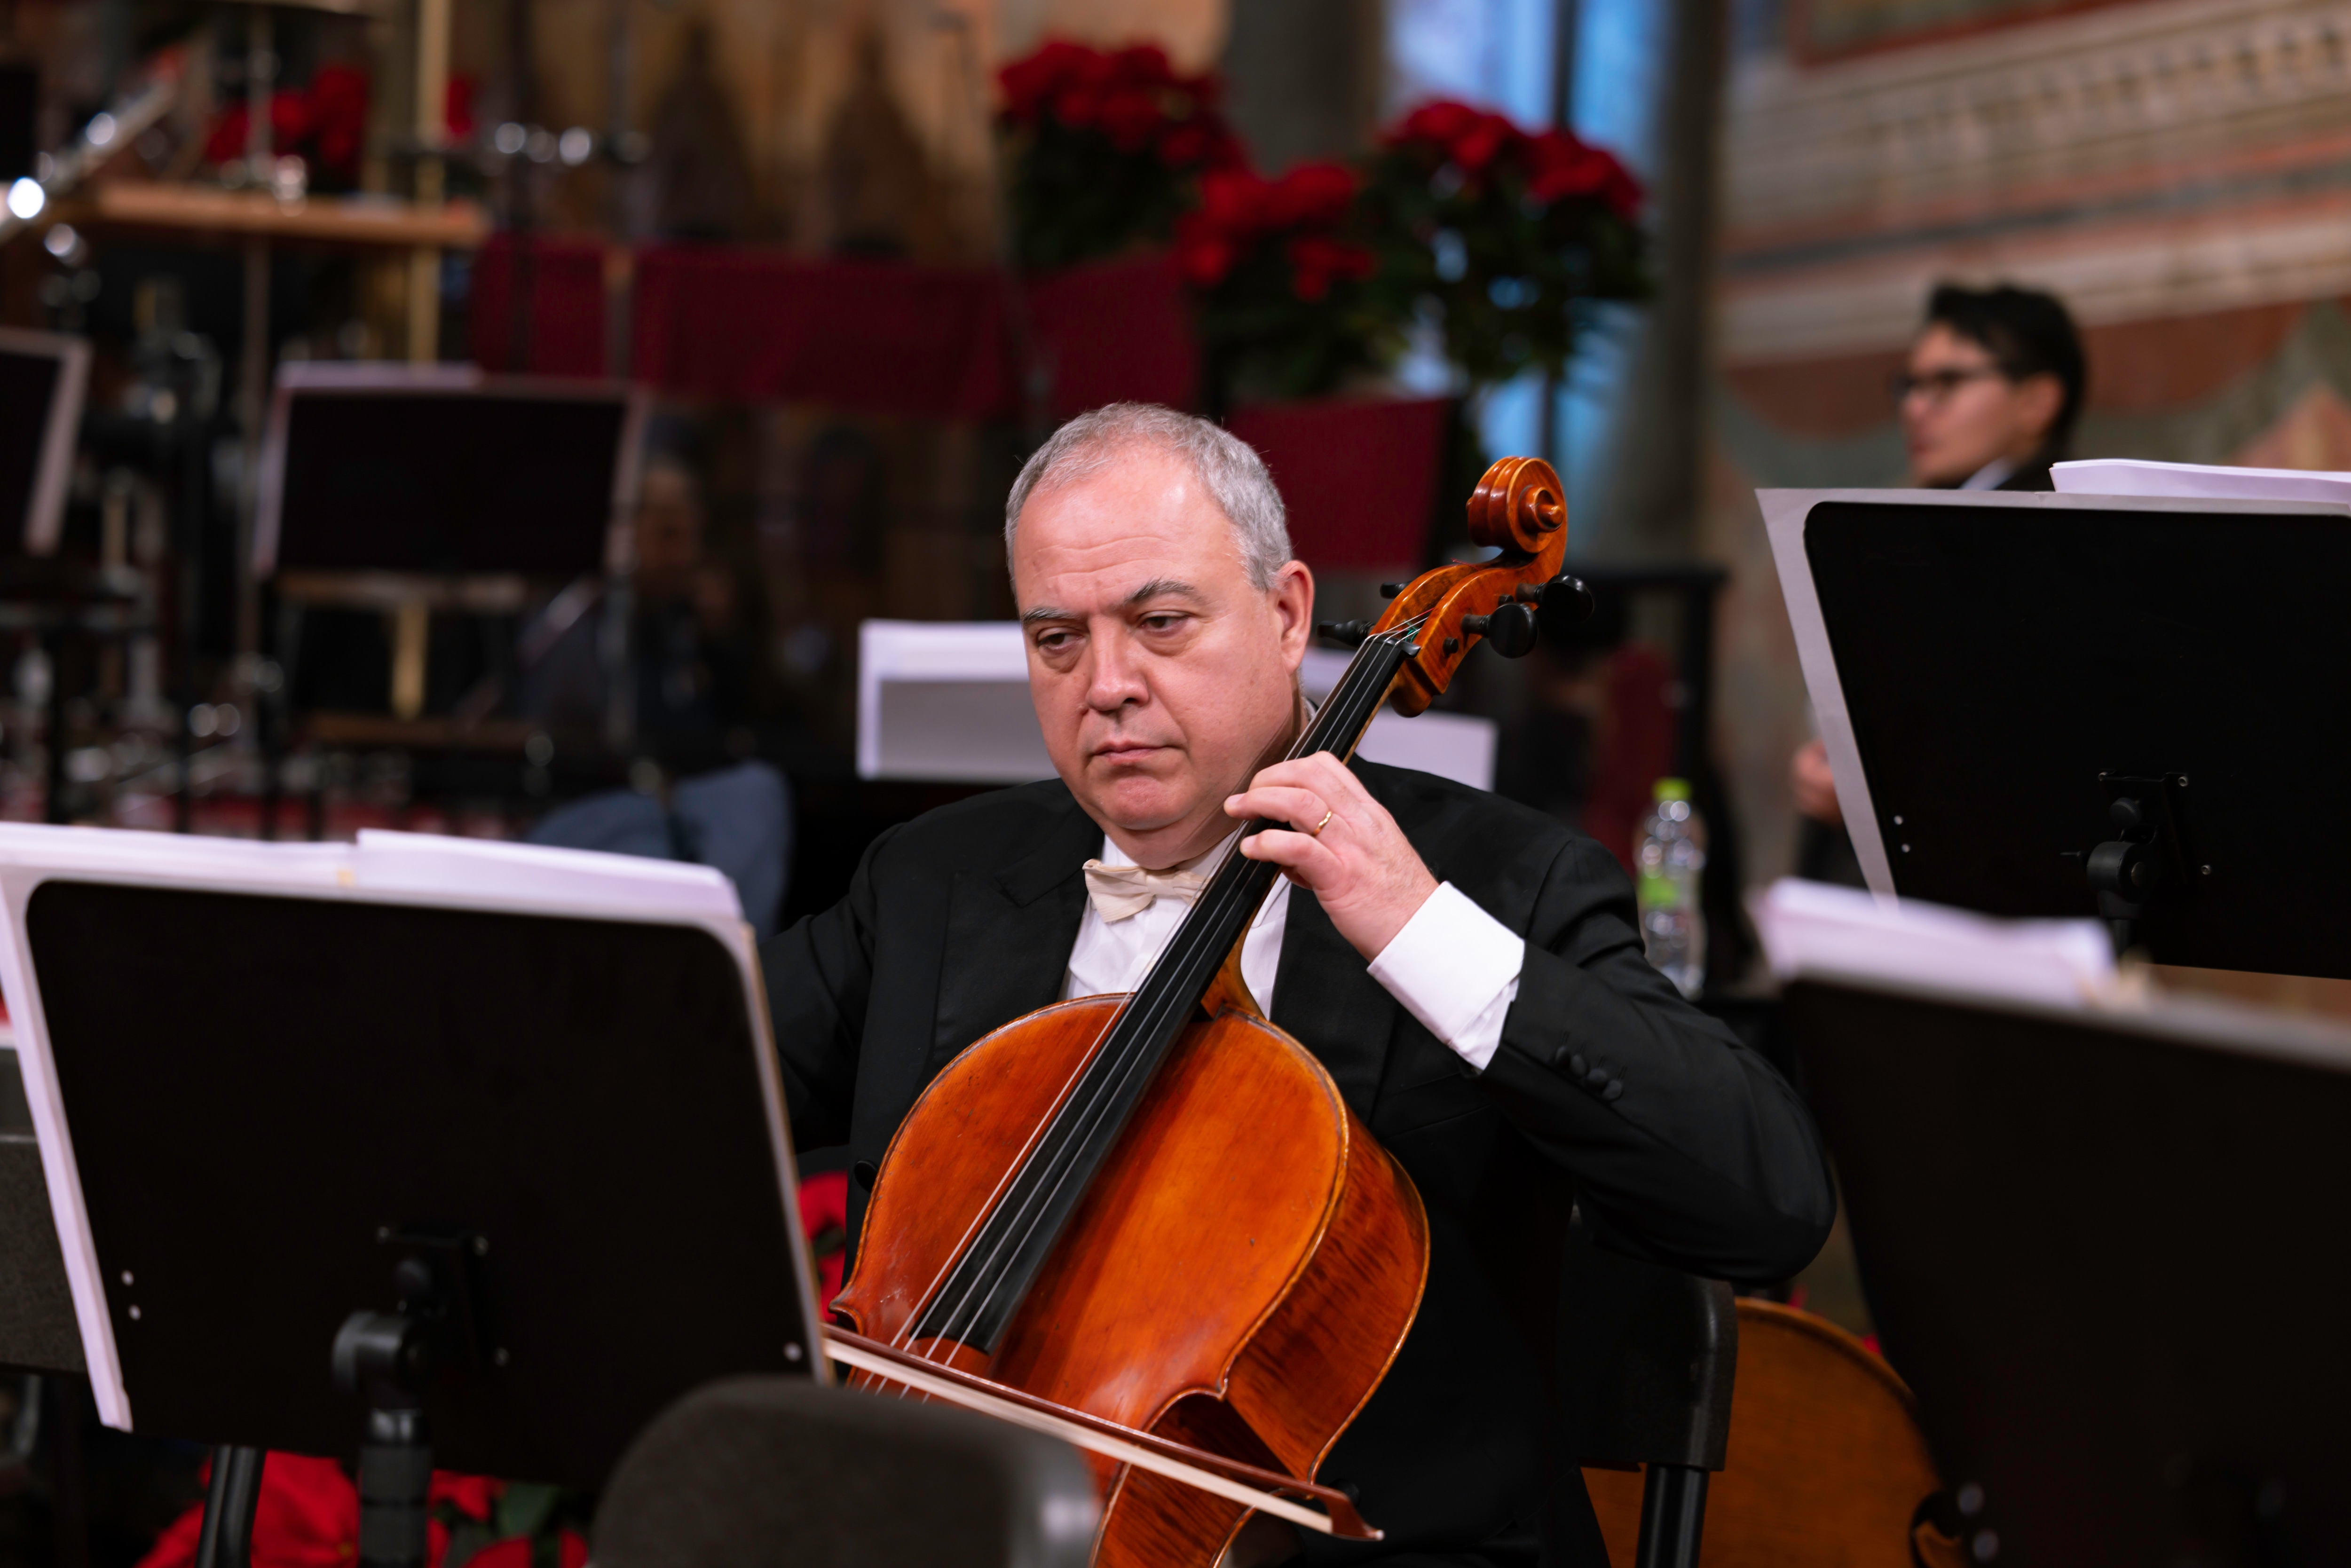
(1938, 384)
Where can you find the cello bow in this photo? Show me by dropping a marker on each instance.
(1261, 1489)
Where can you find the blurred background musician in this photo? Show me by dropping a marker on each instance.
(1988, 401)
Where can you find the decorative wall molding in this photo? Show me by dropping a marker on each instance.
(1982, 124)
(2215, 261)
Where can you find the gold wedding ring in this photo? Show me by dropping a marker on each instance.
(1317, 831)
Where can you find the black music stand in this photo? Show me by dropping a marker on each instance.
(2066, 705)
(522, 1174)
(2102, 1247)
(43, 379)
(441, 470)
(37, 1331)
(408, 491)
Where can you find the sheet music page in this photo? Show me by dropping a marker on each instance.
(429, 863)
(2198, 481)
(1841, 933)
(410, 867)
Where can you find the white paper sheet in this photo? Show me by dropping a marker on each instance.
(2132, 477)
(1841, 933)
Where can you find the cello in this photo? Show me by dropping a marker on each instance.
(1083, 1222)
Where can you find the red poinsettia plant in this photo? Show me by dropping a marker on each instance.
(1279, 268)
(307, 1516)
(1503, 235)
(1104, 148)
(324, 123)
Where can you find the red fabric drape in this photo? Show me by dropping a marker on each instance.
(885, 338)
(1632, 747)
(752, 324)
(565, 324)
(1116, 332)
(1358, 476)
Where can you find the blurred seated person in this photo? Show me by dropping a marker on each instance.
(690, 652)
(690, 649)
(1988, 399)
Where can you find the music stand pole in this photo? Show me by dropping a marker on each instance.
(230, 1498)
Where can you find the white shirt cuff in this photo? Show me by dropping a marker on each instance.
(1456, 968)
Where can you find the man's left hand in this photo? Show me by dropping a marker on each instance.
(1341, 846)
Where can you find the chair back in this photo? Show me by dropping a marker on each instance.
(752, 1471)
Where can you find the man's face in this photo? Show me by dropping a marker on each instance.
(1162, 676)
(1962, 411)
(668, 532)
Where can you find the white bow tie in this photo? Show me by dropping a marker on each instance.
(1120, 891)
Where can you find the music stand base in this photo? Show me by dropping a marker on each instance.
(1673, 1516)
(230, 1496)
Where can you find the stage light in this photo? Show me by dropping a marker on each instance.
(25, 199)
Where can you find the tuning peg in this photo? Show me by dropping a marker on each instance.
(1346, 634)
(1567, 595)
(1390, 589)
(1511, 630)
(1564, 603)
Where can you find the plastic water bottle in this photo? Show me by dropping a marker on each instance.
(1668, 857)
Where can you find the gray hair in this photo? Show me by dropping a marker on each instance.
(1231, 472)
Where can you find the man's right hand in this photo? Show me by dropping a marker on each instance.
(1815, 786)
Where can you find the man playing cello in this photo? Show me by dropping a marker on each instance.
(1468, 970)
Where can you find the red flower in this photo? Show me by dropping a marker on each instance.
(457, 111)
(1128, 117)
(1076, 106)
(291, 119)
(1311, 196)
(1444, 122)
(1558, 165)
(824, 1205)
(1233, 200)
(1205, 255)
(1144, 65)
(1030, 84)
(339, 104)
(1315, 260)
(472, 1496)
(1186, 144)
(1478, 146)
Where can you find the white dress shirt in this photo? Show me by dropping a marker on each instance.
(1453, 967)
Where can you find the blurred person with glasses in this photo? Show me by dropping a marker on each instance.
(1987, 399)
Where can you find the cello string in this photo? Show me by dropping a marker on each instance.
(1346, 713)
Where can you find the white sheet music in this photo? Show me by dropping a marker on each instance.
(2198, 481)
(1841, 933)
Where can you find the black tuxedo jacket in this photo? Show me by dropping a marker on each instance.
(1676, 1144)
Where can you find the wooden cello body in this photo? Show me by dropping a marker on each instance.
(1155, 1209)
(1238, 1281)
